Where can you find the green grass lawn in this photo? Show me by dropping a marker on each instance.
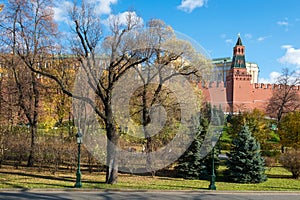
(279, 180)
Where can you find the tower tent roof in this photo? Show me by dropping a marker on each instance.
(239, 42)
(238, 60)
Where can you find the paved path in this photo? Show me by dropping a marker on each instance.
(132, 195)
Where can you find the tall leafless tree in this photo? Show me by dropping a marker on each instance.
(124, 47)
(28, 29)
(171, 58)
(285, 97)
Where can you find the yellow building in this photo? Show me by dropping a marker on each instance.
(223, 65)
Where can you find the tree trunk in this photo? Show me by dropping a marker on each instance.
(112, 148)
(112, 156)
(148, 150)
(145, 121)
(31, 158)
(33, 119)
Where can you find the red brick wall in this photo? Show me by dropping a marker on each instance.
(215, 93)
(239, 95)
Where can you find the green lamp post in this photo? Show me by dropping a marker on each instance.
(212, 185)
(78, 183)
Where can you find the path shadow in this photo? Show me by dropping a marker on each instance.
(30, 195)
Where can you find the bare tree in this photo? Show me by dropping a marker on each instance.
(171, 57)
(121, 57)
(125, 47)
(87, 41)
(10, 109)
(28, 31)
(285, 97)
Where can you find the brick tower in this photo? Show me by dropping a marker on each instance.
(238, 80)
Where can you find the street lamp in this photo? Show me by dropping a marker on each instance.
(124, 129)
(78, 183)
(214, 140)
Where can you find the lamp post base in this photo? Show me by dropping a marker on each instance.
(78, 183)
(212, 185)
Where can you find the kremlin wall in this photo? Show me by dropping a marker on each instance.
(236, 88)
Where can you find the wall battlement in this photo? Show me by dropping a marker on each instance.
(212, 84)
(272, 86)
(246, 77)
(258, 86)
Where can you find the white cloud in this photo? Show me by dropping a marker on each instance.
(229, 41)
(262, 38)
(122, 18)
(61, 11)
(248, 36)
(287, 46)
(100, 7)
(284, 23)
(223, 35)
(273, 76)
(103, 6)
(291, 56)
(189, 5)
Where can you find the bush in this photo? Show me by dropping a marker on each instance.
(14, 145)
(270, 162)
(290, 161)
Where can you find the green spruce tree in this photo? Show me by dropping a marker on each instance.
(192, 164)
(245, 163)
(189, 163)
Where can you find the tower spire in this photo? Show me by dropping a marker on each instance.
(238, 60)
(239, 41)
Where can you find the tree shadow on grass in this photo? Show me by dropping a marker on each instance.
(22, 174)
(43, 185)
(68, 179)
(178, 187)
(280, 176)
(13, 185)
(157, 187)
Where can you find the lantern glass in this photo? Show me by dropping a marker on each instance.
(215, 138)
(213, 142)
(79, 138)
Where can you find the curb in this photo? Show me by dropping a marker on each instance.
(146, 191)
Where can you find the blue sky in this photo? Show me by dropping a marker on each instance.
(270, 29)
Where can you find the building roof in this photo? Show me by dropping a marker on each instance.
(221, 60)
